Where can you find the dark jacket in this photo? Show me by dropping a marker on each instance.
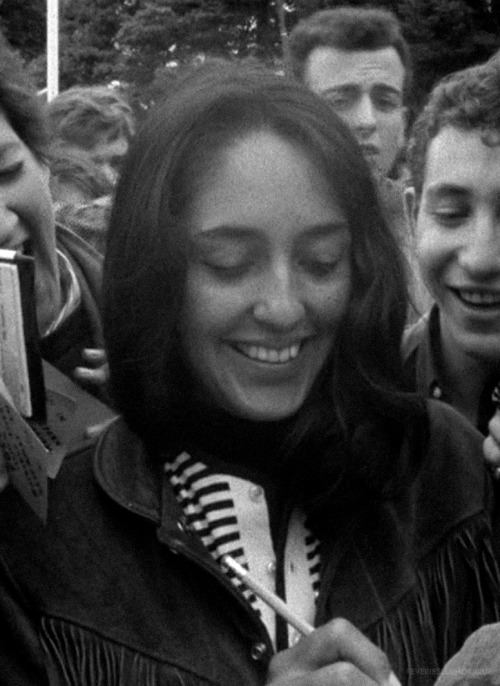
(424, 367)
(117, 590)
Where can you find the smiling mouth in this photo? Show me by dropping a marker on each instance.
(479, 299)
(261, 353)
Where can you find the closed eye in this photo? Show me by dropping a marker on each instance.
(319, 268)
(10, 171)
(227, 271)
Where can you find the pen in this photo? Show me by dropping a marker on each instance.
(278, 605)
(271, 599)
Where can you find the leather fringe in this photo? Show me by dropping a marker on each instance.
(430, 624)
(78, 657)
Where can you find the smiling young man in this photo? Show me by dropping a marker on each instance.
(453, 353)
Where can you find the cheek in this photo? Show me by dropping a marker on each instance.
(432, 252)
(38, 209)
(332, 304)
(209, 308)
(393, 128)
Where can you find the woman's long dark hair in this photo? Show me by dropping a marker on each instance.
(359, 402)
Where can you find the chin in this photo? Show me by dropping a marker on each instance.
(486, 353)
(265, 413)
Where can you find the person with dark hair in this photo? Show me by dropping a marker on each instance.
(253, 311)
(75, 178)
(95, 119)
(453, 352)
(67, 270)
(358, 59)
(81, 192)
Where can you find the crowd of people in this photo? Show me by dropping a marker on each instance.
(289, 291)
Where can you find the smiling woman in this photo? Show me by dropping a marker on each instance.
(270, 281)
(253, 311)
(67, 270)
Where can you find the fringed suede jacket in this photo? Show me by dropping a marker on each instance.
(118, 589)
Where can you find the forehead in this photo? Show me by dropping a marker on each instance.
(7, 133)
(107, 149)
(329, 67)
(262, 180)
(459, 158)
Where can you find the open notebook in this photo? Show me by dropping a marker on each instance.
(44, 415)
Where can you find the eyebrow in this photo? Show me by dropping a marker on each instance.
(343, 88)
(235, 232)
(10, 146)
(445, 188)
(354, 88)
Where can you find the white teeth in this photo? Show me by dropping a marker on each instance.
(480, 298)
(270, 355)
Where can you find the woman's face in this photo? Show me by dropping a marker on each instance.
(26, 214)
(269, 278)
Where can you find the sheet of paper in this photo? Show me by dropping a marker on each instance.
(34, 451)
(25, 456)
(13, 362)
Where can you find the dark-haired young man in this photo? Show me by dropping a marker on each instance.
(453, 353)
(358, 59)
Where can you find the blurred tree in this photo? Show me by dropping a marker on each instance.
(145, 42)
(23, 24)
(164, 30)
(87, 48)
(446, 35)
(163, 36)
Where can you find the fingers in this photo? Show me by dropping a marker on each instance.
(339, 647)
(346, 674)
(97, 429)
(97, 376)
(338, 674)
(339, 640)
(491, 445)
(94, 355)
(492, 455)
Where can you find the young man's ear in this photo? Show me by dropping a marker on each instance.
(411, 207)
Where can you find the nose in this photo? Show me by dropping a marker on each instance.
(280, 303)
(11, 233)
(110, 173)
(481, 254)
(363, 116)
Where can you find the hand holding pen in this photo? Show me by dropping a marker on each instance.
(336, 654)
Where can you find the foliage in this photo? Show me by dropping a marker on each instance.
(444, 37)
(163, 36)
(166, 31)
(23, 24)
(147, 42)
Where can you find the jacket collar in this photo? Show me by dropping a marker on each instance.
(134, 481)
(362, 580)
(138, 483)
(421, 341)
(125, 472)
